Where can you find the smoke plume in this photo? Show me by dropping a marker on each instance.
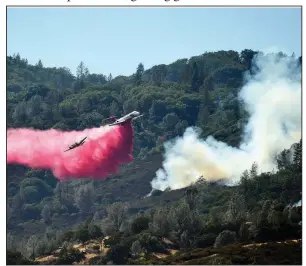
(272, 97)
(105, 149)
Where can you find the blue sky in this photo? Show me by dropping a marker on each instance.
(115, 40)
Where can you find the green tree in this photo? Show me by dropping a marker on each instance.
(39, 64)
(109, 78)
(297, 157)
(254, 170)
(247, 56)
(46, 214)
(139, 224)
(136, 248)
(80, 72)
(116, 213)
(195, 77)
(162, 222)
(84, 199)
(244, 182)
(236, 209)
(139, 73)
(226, 237)
(283, 159)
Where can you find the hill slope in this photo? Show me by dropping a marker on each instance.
(198, 91)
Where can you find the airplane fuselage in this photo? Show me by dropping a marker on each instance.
(77, 144)
(133, 115)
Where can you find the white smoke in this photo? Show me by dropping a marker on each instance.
(297, 204)
(272, 97)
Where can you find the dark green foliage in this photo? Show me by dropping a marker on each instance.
(283, 160)
(207, 240)
(139, 73)
(83, 232)
(94, 231)
(297, 157)
(268, 254)
(150, 242)
(247, 56)
(31, 211)
(68, 236)
(12, 189)
(67, 257)
(118, 254)
(16, 258)
(139, 224)
(113, 240)
(202, 91)
(34, 189)
(226, 237)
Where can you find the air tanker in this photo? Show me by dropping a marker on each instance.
(122, 120)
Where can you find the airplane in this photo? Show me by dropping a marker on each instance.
(76, 144)
(110, 118)
(131, 116)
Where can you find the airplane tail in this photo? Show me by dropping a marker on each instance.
(136, 117)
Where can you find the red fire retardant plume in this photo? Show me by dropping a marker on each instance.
(104, 150)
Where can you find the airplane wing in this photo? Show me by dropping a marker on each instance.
(77, 144)
(137, 117)
(122, 122)
(109, 118)
(116, 123)
(83, 140)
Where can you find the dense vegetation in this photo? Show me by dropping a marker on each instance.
(44, 214)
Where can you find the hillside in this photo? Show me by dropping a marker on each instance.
(44, 214)
(280, 252)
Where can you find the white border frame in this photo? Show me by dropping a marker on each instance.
(113, 3)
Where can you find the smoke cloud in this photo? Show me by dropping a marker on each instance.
(272, 97)
(104, 150)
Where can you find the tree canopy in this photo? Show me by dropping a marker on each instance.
(201, 91)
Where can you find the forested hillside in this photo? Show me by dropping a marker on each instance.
(199, 91)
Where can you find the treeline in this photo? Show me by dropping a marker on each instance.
(259, 209)
(198, 91)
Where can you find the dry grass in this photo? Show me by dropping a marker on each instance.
(287, 252)
(82, 248)
(268, 253)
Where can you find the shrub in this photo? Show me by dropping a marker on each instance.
(96, 247)
(226, 237)
(69, 257)
(140, 224)
(206, 241)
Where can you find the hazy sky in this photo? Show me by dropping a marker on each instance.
(115, 40)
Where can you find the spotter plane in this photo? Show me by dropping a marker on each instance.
(122, 120)
(77, 144)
